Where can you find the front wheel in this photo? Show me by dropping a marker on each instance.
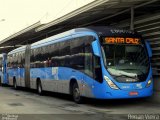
(76, 94)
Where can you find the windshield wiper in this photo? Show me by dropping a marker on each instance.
(116, 76)
(135, 69)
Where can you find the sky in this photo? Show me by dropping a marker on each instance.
(16, 15)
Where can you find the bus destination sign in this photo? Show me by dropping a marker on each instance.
(121, 40)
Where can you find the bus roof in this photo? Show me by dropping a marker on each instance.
(60, 36)
(99, 30)
(55, 37)
(18, 50)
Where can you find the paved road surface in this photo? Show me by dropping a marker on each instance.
(26, 104)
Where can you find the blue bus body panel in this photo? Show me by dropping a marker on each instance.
(55, 73)
(103, 90)
(100, 90)
(13, 73)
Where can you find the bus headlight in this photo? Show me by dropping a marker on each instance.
(149, 82)
(110, 83)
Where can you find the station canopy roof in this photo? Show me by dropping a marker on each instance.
(98, 12)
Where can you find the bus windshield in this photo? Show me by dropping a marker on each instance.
(126, 62)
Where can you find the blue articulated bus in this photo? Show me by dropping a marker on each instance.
(3, 69)
(94, 62)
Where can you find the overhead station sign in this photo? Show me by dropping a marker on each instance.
(121, 40)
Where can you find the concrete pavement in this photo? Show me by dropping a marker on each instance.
(27, 104)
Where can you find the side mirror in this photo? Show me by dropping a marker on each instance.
(95, 48)
(149, 49)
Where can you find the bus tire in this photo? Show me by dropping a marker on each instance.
(76, 93)
(39, 88)
(14, 83)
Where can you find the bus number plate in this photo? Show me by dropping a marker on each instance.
(133, 93)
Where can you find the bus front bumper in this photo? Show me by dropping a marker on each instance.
(118, 94)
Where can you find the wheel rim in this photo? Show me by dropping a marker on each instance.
(76, 94)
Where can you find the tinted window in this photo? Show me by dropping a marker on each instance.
(74, 53)
(77, 53)
(54, 54)
(22, 59)
(64, 57)
(9, 63)
(88, 56)
(32, 59)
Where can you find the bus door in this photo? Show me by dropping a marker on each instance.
(87, 86)
(97, 70)
(19, 70)
(18, 77)
(88, 81)
(27, 66)
(93, 74)
(22, 79)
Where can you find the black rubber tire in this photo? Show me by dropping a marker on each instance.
(76, 94)
(14, 83)
(39, 88)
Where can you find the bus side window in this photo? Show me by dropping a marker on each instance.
(88, 61)
(88, 55)
(77, 53)
(97, 69)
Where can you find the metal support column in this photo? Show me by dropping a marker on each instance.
(132, 18)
